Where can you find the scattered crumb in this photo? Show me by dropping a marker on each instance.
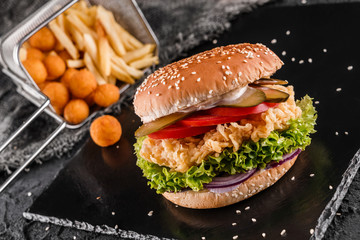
(311, 175)
(274, 41)
(47, 228)
(116, 226)
(234, 224)
(310, 60)
(311, 231)
(317, 102)
(113, 213)
(293, 59)
(336, 133)
(238, 212)
(215, 41)
(330, 187)
(98, 198)
(253, 220)
(301, 61)
(29, 194)
(346, 133)
(247, 208)
(350, 68)
(293, 178)
(338, 214)
(235, 237)
(283, 53)
(283, 232)
(150, 213)
(117, 146)
(263, 235)
(324, 50)
(338, 89)
(287, 32)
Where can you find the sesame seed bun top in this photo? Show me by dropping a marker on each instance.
(193, 80)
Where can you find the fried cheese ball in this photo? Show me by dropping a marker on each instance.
(106, 94)
(66, 78)
(55, 66)
(33, 53)
(76, 111)
(90, 99)
(36, 70)
(58, 95)
(82, 83)
(64, 55)
(43, 39)
(105, 130)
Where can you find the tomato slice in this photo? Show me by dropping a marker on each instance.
(179, 131)
(240, 111)
(208, 120)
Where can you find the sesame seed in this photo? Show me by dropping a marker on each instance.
(227, 72)
(245, 61)
(287, 32)
(27, 169)
(176, 205)
(283, 53)
(324, 50)
(203, 238)
(234, 224)
(311, 175)
(193, 73)
(338, 214)
(330, 187)
(350, 68)
(116, 226)
(169, 87)
(293, 59)
(158, 94)
(150, 213)
(258, 55)
(198, 80)
(227, 67)
(235, 237)
(224, 78)
(253, 220)
(283, 232)
(215, 41)
(223, 67)
(247, 208)
(337, 133)
(238, 212)
(229, 58)
(113, 213)
(346, 133)
(293, 178)
(29, 194)
(97, 198)
(338, 89)
(317, 102)
(218, 62)
(303, 1)
(301, 61)
(47, 228)
(239, 74)
(263, 235)
(310, 60)
(311, 231)
(74, 237)
(211, 91)
(273, 41)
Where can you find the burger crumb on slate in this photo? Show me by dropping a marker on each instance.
(238, 212)
(150, 213)
(293, 178)
(247, 208)
(311, 175)
(283, 232)
(234, 224)
(311, 231)
(263, 235)
(338, 214)
(330, 187)
(338, 89)
(253, 220)
(346, 133)
(288, 32)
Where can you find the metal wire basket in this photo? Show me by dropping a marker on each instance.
(126, 12)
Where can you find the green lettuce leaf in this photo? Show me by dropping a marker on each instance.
(250, 155)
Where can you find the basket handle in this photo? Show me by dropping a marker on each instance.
(37, 152)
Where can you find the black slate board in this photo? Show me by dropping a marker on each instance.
(102, 186)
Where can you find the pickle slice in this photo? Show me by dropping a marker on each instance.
(270, 81)
(250, 98)
(273, 95)
(159, 123)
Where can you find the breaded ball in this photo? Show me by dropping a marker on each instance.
(82, 83)
(36, 70)
(43, 39)
(76, 111)
(105, 130)
(42, 85)
(33, 53)
(58, 95)
(58, 46)
(106, 94)
(55, 66)
(64, 55)
(90, 99)
(66, 78)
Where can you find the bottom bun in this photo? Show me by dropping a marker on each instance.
(256, 183)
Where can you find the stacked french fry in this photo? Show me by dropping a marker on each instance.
(96, 41)
(81, 58)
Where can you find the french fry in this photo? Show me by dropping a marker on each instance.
(90, 47)
(78, 38)
(22, 54)
(90, 65)
(61, 22)
(81, 6)
(135, 73)
(64, 40)
(86, 19)
(130, 42)
(121, 74)
(77, 23)
(145, 62)
(104, 56)
(78, 63)
(108, 22)
(138, 53)
(112, 80)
